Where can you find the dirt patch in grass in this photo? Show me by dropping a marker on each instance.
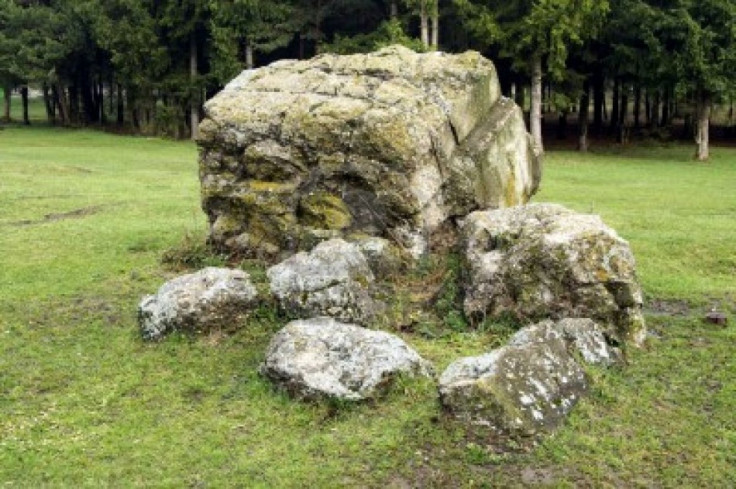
(660, 307)
(538, 476)
(59, 216)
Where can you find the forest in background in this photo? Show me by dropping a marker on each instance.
(617, 68)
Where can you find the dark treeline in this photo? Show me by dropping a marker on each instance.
(619, 66)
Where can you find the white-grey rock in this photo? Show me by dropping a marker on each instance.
(522, 390)
(212, 298)
(530, 385)
(333, 280)
(321, 358)
(584, 339)
(543, 260)
(390, 144)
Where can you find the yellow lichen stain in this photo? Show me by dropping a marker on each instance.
(510, 192)
(602, 275)
(326, 211)
(226, 225)
(276, 187)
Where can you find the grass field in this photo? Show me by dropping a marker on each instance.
(84, 402)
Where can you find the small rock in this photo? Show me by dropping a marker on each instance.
(518, 389)
(715, 317)
(530, 385)
(322, 358)
(212, 298)
(332, 280)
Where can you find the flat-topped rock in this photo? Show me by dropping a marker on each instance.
(390, 144)
(321, 358)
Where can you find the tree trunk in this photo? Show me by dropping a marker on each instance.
(394, 10)
(520, 98)
(61, 102)
(318, 27)
(648, 108)
(49, 104)
(249, 55)
(73, 104)
(654, 118)
(622, 137)
(7, 89)
(121, 106)
(101, 102)
(194, 102)
(583, 116)
(637, 106)
(666, 109)
(435, 26)
(702, 133)
(536, 107)
(132, 104)
(24, 98)
(615, 118)
(424, 24)
(89, 111)
(111, 88)
(562, 125)
(599, 95)
(675, 108)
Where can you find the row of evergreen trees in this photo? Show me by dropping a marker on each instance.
(149, 64)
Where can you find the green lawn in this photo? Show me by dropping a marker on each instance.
(84, 402)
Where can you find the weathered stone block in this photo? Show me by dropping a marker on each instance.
(543, 260)
(390, 144)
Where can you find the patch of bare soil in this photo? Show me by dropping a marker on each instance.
(659, 307)
(58, 216)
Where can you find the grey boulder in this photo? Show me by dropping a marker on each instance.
(321, 358)
(333, 279)
(543, 260)
(529, 386)
(391, 144)
(583, 337)
(212, 298)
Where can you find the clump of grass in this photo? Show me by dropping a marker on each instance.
(192, 253)
(448, 302)
(427, 299)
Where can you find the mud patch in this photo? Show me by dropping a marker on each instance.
(668, 308)
(59, 216)
(538, 476)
